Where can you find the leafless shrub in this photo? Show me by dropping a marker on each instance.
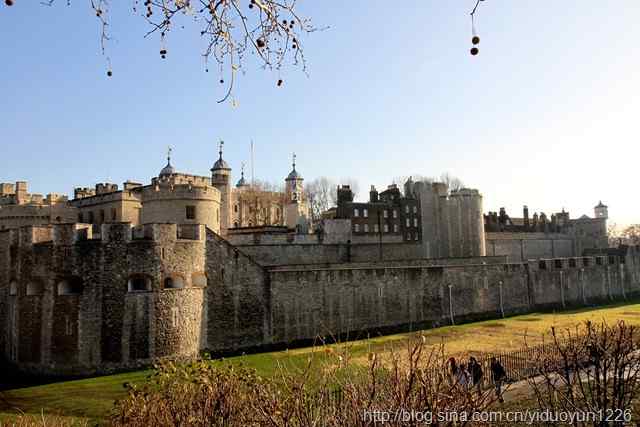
(42, 420)
(593, 372)
(328, 391)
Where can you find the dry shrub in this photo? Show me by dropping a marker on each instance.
(336, 394)
(32, 420)
(593, 372)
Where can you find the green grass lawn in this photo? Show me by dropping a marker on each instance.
(93, 398)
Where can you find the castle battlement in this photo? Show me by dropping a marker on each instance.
(71, 234)
(180, 191)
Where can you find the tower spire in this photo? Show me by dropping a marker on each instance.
(168, 169)
(220, 148)
(294, 161)
(242, 171)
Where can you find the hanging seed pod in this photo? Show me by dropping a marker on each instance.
(280, 82)
(474, 51)
(8, 2)
(475, 40)
(109, 73)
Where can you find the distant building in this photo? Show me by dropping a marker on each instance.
(538, 235)
(388, 215)
(20, 208)
(172, 196)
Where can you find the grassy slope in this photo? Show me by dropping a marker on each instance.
(93, 398)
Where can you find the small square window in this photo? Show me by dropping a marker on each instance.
(386, 213)
(356, 213)
(415, 209)
(395, 228)
(395, 213)
(366, 228)
(386, 228)
(356, 228)
(407, 222)
(365, 213)
(415, 222)
(406, 208)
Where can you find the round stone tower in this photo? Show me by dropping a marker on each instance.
(221, 180)
(466, 223)
(178, 198)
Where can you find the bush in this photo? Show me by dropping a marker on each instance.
(336, 392)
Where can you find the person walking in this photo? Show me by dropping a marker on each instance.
(498, 375)
(453, 370)
(463, 379)
(476, 373)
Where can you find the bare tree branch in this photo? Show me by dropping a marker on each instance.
(271, 30)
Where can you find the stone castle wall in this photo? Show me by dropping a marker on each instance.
(345, 300)
(71, 302)
(302, 253)
(524, 246)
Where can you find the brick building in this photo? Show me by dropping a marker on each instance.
(388, 214)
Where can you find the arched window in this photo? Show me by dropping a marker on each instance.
(70, 286)
(35, 288)
(139, 283)
(174, 282)
(199, 280)
(13, 288)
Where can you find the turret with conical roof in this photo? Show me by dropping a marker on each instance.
(221, 179)
(296, 209)
(242, 183)
(293, 184)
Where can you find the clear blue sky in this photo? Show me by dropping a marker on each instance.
(546, 115)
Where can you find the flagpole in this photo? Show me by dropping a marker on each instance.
(253, 182)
